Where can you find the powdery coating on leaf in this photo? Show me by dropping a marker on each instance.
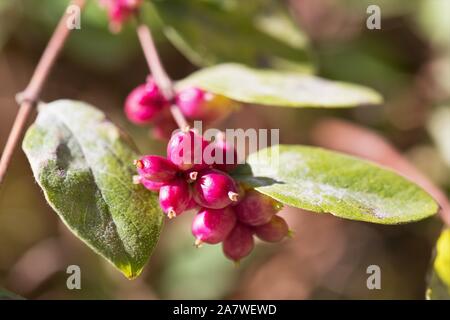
(278, 88)
(84, 164)
(323, 181)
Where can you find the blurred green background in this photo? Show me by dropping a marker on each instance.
(408, 61)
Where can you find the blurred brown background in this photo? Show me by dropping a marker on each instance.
(408, 61)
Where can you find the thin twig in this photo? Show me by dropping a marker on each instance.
(29, 97)
(159, 73)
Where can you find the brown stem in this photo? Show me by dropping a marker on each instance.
(158, 72)
(29, 97)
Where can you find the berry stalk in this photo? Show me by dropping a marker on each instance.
(29, 97)
(159, 73)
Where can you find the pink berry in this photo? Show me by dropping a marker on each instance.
(225, 155)
(191, 102)
(174, 197)
(152, 186)
(185, 150)
(119, 11)
(239, 243)
(215, 189)
(148, 184)
(156, 168)
(213, 225)
(144, 103)
(256, 209)
(198, 104)
(273, 231)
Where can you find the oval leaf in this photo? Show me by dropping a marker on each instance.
(84, 165)
(276, 88)
(323, 181)
(439, 284)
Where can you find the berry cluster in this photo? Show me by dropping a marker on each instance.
(225, 211)
(146, 105)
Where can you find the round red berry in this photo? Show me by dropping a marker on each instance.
(225, 155)
(239, 243)
(119, 11)
(185, 150)
(273, 231)
(156, 168)
(213, 225)
(174, 197)
(150, 185)
(144, 103)
(215, 189)
(256, 209)
(191, 102)
(198, 104)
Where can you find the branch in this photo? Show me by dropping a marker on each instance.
(159, 74)
(29, 97)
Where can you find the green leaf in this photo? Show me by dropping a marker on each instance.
(254, 32)
(84, 165)
(275, 88)
(439, 285)
(323, 181)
